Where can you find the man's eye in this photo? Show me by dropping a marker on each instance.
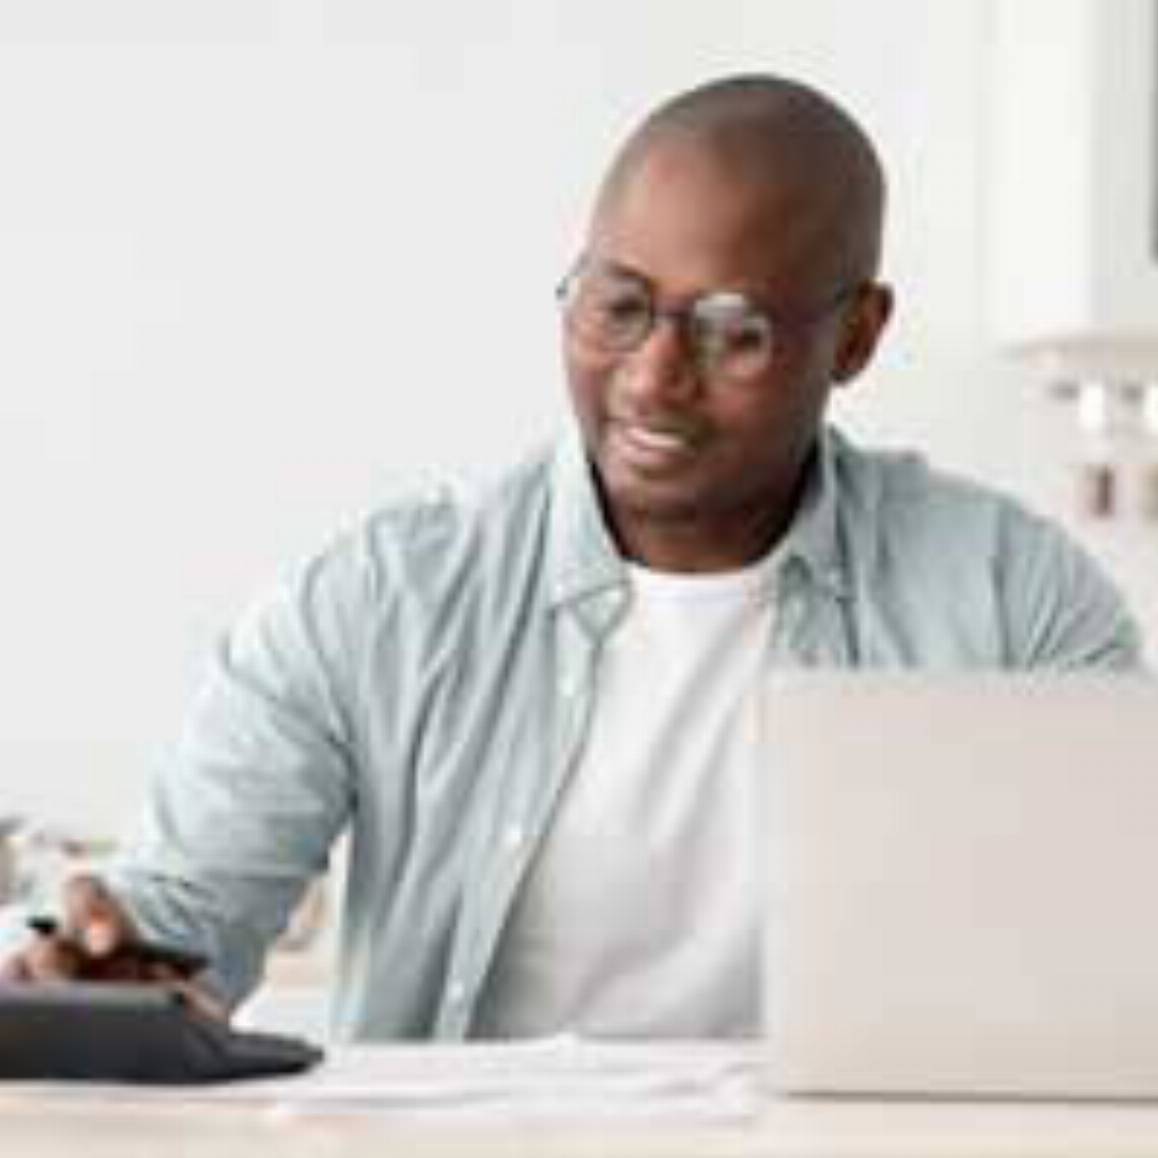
(625, 309)
(749, 338)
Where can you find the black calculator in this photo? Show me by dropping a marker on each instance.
(126, 1032)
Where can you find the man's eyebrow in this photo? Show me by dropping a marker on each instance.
(620, 268)
(751, 294)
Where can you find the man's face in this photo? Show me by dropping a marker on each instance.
(672, 444)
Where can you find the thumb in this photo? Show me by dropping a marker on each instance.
(93, 917)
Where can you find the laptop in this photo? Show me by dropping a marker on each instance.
(962, 884)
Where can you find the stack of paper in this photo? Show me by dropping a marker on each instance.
(557, 1080)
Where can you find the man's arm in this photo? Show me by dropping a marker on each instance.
(1061, 609)
(245, 807)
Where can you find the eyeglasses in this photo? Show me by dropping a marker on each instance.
(614, 311)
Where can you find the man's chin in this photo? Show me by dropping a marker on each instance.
(655, 498)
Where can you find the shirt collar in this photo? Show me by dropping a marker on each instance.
(584, 561)
(814, 537)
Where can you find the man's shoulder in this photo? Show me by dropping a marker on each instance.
(898, 490)
(463, 502)
(973, 565)
(447, 527)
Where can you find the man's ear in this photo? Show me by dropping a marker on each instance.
(863, 326)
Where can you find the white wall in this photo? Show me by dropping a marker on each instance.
(261, 261)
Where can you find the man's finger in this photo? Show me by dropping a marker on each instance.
(50, 959)
(93, 918)
(13, 970)
(201, 1001)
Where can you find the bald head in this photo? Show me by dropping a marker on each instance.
(787, 138)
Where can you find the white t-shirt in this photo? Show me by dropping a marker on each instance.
(639, 916)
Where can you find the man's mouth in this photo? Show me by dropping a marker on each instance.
(657, 439)
(654, 447)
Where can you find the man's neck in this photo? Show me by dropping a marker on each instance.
(703, 544)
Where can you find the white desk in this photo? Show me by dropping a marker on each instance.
(708, 1103)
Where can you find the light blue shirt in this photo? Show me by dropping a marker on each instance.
(426, 683)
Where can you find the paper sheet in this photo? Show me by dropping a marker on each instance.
(557, 1080)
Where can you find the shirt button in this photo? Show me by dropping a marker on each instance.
(457, 992)
(513, 837)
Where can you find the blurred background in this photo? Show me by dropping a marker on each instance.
(262, 262)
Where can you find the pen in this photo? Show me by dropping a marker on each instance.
(183, 961)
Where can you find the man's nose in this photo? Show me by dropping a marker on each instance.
(664, 365)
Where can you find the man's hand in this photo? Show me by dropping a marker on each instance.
(97, 941)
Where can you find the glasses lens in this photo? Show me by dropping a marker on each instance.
(610, 310)
(732, 337)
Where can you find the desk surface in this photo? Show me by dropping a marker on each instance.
(446, 1102)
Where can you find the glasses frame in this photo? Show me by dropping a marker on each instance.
(683, 317)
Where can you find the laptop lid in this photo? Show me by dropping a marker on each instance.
(962, 875)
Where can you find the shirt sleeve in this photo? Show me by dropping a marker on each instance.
(1062, 611)
(247, 804)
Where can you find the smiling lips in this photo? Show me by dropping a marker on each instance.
(654, 448)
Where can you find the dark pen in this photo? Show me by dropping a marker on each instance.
(183, 961)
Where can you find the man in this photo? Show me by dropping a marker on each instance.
(525, 704)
